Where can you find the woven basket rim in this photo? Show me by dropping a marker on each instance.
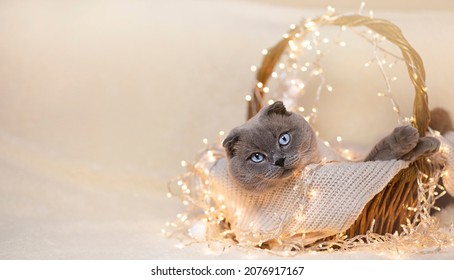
(390, 31)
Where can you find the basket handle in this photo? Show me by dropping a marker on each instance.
(413, 61)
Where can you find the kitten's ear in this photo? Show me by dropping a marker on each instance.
(230, 141)
(277, 108)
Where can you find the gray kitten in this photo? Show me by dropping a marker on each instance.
(275, 143)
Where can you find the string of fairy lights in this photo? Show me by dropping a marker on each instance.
(204, 217)
(291, 78)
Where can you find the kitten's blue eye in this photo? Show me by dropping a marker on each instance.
(284, 139)
(257, 157)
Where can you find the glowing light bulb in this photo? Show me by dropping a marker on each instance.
(309, 24)
(292, 45)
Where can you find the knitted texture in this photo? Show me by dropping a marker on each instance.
(322, 200)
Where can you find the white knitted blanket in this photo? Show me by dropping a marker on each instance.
(323, 200)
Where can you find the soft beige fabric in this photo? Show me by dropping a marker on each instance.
(323, 200)
(447, 150)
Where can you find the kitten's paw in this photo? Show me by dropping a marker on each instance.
(403, 139)
(426, 146)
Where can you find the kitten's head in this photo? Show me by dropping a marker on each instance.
(269, 148)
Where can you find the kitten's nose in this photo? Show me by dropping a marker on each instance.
(280, 162)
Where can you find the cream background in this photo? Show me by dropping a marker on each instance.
(101, 100)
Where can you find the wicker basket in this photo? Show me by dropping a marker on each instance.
(390, 208)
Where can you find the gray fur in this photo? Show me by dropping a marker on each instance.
(261, 134)
(403, 143)
(402, 140)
